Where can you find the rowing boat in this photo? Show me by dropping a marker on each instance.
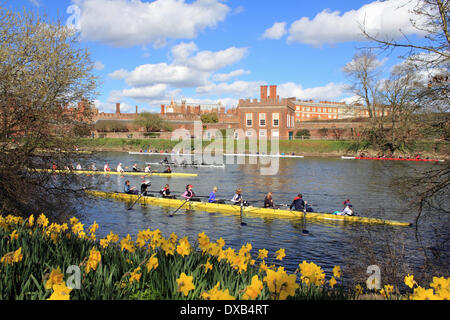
(391, 159)
(126, 173)
(187, 165)
(233, 209)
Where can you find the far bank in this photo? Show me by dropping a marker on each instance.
(324, 148)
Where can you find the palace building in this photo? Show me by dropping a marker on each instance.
(268, 117)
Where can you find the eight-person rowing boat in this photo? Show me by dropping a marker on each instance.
(239, 206)
(123, 173)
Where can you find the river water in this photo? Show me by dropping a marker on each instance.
(324, 182)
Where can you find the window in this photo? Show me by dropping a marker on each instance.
(262, 133)
(262, 119)
(249, 133)
(249, 119)
(288, 121)
(275, 133)
(276, 119)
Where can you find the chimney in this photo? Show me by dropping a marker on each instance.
(263, 93)
(136, 109)
(163, 107)
(118, 107)
(273, 93)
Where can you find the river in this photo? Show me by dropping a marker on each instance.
(324, 182)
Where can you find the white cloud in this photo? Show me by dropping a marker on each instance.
(98, 65)
(277, 31)
(331, 91)
(119, 74)
(223, 77)
(238, 89)
(124, 23)
(35, 3)
(212, 61)
(381, 19)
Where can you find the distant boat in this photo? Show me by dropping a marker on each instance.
(391, 159)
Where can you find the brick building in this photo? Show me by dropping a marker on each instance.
(268, 117)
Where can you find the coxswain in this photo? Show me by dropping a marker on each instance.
(129, 189)
(268, 201)
(189, 193)
(165, 192)
(237, 199)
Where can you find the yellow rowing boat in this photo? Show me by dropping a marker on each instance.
(173, 174)
(233, 209)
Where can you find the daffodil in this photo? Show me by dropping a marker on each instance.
(280, 254)
(423, 294)
(262, 254)
(208, 266)
(386, 291)
(185, 284)
(216, 294)
(56, 277)
(311, 273)
(409, 281)
(152, 263)
(254, 289)
(60, 292)
(135, 275)
(42, 220)
(93, 261)
(280, 284)
(184, 247)
(337, 271)
(332, 282)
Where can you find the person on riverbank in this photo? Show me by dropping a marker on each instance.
(129, 189)
(165, 192)
(268, 201)
(189, 193)
(237, 199)
(212, 196)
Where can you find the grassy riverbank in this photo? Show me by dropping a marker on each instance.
(43, 260)
(430, 149)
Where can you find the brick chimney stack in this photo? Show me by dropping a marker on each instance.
(163, 107)
(273, 93)
(263, 93)
(136, 109)
(118, 108)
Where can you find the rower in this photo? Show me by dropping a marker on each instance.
(135, 168)
(298, 203)
(144, 187)
(212, 196)
(119, 168)
(78, 167)
(165, 192)
(348, 211)
(147, 169)
(93, 167)
(189, 193)
(237, 199)
(106, 168)
(168, 170)
(54, 167)
(268, 201)
(165, 161)
(129, 189)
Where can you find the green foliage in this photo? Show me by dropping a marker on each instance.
(303, 133)
(209, 117)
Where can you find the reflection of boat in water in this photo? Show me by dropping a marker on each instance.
(233, 209)
(391, 159)
(193, 165)
(125, 173)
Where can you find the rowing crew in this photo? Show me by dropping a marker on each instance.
(298, 204)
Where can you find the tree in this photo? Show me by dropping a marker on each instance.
(45, 74)
(209, 118)
(151, 122)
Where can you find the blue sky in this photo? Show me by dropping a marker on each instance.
(205, 51)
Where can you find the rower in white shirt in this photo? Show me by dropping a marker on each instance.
(119, 168)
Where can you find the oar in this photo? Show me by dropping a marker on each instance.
(140, 196)
(242, 211)
(171, 215)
